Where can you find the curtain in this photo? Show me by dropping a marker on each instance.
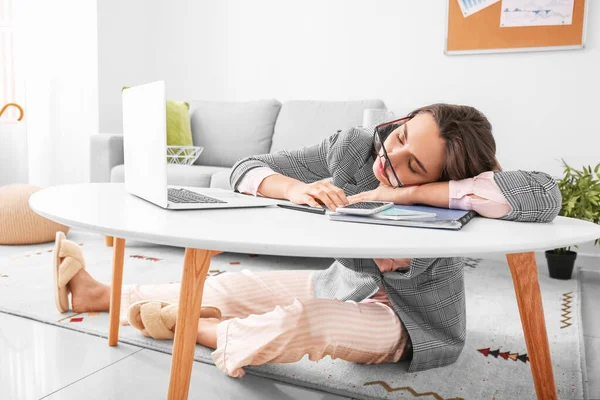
(56, 61)
(13, 136)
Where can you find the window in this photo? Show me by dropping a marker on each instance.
(7, 62)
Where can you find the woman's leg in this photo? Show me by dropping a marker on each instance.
(87, 294)
(292, 323)
(236, 294)
(368, 333)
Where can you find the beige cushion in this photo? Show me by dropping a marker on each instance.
(19, 224)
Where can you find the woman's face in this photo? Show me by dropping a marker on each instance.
(416, 151)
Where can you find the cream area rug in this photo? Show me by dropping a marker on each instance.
(493, 364)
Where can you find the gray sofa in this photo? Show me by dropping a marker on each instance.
(230, 131)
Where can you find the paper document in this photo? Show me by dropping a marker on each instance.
(399, 213)
(469, 7)
(536, 13)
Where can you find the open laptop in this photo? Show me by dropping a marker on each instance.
(145, 148)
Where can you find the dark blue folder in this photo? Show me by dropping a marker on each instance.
(444, 218)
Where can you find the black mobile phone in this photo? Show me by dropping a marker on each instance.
(300, 207)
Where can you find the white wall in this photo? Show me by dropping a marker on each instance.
(543, 105)
(57, 58)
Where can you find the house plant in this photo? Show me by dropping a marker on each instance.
(580, 191)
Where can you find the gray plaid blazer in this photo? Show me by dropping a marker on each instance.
(429, 296)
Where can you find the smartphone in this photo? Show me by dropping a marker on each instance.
(301, 207)
(365, 207)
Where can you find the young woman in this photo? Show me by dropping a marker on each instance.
(359, 310)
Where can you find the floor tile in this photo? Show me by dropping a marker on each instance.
(592, 355)
(590, 287)
(590, 298)
(37, 359)
(145, 375)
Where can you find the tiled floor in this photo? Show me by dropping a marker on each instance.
(590, 286)
(43, 361)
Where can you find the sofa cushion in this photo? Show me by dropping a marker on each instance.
(304, 123)
(20, 224)
(179, 130)
(179, 175)
(220, 180)
(229, 131)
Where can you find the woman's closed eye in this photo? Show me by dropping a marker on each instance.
(401, 141)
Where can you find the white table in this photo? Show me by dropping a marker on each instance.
(107, 209)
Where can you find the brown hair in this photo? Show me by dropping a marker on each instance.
(470, 146)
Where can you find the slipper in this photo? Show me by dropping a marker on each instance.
(157, 319)
(68, 260)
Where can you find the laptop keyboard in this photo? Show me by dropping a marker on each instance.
(185, 196)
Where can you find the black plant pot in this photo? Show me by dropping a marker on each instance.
(560, 265)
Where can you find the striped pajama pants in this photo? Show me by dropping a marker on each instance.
(275, 317)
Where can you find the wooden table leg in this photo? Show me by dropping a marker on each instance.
(195, 268)
(109, 240)
(527, 288)
(115, 291)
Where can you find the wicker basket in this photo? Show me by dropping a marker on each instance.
(183, 155)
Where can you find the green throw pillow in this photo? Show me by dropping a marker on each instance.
(179, 129)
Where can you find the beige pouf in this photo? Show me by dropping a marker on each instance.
(19, 224)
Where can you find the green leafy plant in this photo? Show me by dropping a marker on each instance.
(580, 191)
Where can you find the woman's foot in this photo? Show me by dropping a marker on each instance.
(157, 319)
(87, 294)
(70, 277)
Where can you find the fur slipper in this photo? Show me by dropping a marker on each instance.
(68, 260)
(157, 319)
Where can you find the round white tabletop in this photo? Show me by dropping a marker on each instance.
(106, 208)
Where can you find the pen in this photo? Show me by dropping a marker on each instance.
(298, 207)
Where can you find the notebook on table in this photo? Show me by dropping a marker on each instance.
(413, 216)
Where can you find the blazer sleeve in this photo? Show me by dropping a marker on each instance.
(533, 196)
(307, 164)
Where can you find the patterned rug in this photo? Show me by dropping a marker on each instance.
(493, 364)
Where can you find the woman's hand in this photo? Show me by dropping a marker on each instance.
(403, 195)
(392, 264)
(317, 193)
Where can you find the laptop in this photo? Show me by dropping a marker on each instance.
(145, 150)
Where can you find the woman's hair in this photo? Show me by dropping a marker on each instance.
(470, 146)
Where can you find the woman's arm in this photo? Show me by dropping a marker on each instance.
(302, 176)
(533, 196)
(291, 164)
(480, 194)
(308, 164)
(512, 195)
(251, 181)
(282, 187)
(278, 186)
(265, 182)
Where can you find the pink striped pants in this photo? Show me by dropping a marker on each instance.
(274, 317)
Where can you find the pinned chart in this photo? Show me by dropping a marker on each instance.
(470, 7)
(536, 13)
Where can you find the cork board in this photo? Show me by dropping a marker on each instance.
(481, 32)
